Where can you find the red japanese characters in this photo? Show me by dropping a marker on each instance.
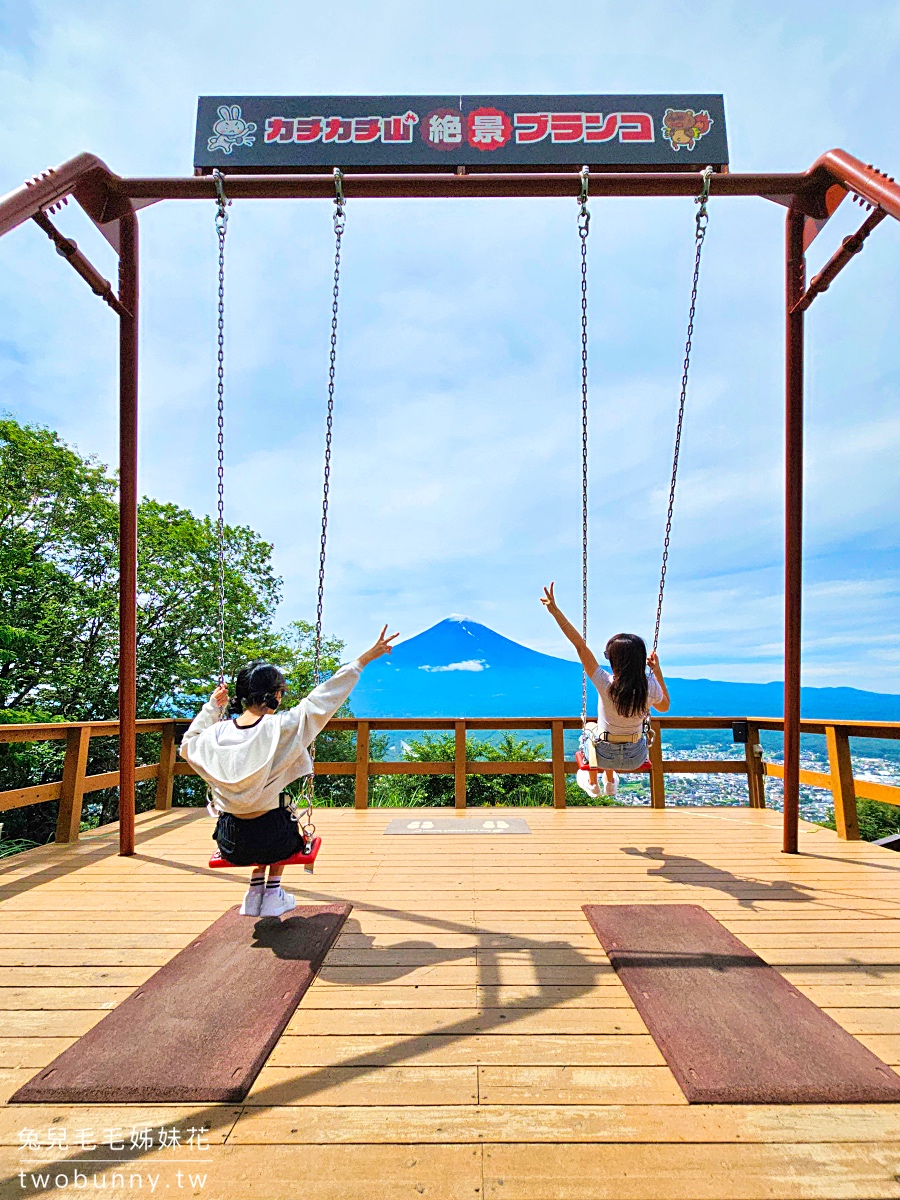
(341, 129)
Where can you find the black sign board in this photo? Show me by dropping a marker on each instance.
(308, 133)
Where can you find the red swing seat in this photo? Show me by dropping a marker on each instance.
(299, 859)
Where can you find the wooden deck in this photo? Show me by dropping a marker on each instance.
(467, 1037)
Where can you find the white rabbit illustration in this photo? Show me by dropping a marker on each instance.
(231, 130)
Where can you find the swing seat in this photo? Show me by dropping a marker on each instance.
(299, 859)
(584, 765)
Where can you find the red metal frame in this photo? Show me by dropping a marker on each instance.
(111, 201)
(128, 499)
(795, 281)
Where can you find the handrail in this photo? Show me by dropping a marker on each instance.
(76, 783)
(57, 730)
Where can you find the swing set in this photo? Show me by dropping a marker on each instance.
(311, 844)
(508, 147)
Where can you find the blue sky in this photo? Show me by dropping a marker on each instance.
(456, 479)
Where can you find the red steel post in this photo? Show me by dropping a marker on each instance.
(128, 429)
(795, 282)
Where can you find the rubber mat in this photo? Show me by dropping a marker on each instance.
(732, 1030)
(200, 1029)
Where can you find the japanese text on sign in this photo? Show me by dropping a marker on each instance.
(416, 131)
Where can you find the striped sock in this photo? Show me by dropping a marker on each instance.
(258, 880)
(274, 883)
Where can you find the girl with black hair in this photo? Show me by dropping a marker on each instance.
(249, 760)
(626, 697)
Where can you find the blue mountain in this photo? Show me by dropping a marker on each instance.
(460, 668)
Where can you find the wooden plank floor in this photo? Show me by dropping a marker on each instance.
(467, 1036)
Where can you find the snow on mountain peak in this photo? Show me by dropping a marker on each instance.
(462, 666)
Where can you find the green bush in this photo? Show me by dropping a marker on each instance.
(875, 820)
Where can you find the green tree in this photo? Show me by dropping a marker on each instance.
(57, 525)
(59, 614)
(59, 589)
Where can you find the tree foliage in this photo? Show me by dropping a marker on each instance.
(59, 615)
(59, 589)
(876, 820)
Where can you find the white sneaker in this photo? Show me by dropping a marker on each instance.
(251, 902)
(611, 786)
(584, 781)
(276, 902)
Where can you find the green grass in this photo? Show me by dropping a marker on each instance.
(16, 846)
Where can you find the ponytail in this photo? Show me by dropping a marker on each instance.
(256, 684)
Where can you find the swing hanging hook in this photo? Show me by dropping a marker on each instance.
(584, 216)
(222, 201)
(339, 200)
(702, 200)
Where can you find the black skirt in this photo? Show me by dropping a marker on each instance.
(271, 838)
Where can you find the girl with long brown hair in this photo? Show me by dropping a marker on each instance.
(627, 693)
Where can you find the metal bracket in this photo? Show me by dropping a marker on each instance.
(68, 249)
(584, 216)
(850, 246)
(219, 179)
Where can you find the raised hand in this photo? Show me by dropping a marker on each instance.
(220, 696)
(381, 646)
(549, 601)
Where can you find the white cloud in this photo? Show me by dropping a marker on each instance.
(470, 664)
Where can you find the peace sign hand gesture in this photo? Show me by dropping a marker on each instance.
(381, 646)
(549, 601)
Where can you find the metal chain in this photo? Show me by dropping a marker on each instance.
(339, 222)
(584, 222)
(702, 220)
(222, 204)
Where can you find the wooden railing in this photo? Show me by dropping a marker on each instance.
(76, 783)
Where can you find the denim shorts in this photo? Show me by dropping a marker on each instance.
(617, 756)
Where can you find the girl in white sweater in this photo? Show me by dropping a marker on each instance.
(249, 760)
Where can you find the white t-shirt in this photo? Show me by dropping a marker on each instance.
(608, 716)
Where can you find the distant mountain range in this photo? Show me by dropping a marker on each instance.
(462, 668)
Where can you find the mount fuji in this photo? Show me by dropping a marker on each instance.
(461, 668)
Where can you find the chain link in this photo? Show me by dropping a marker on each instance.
(222, 204)
(701, 222)
(339, 221)
(584, 223)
